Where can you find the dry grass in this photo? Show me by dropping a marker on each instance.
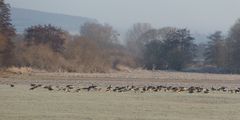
(20, 70)
(21, 104)
(144, 74)
(5, 73)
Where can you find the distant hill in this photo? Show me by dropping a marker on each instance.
(23, 18)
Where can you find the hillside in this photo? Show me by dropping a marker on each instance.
(23, 18)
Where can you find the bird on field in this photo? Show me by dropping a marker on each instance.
(174, 89)
(70, 86)
(181, 89)
(132, 87)
(199, 89)
(213, 89)
(237, 91)
(109, 88)
(191, 89)
(136, 89)
(49, 87)
(85, 88)
(156, 89)
(58, 88)
(11, 85)
(222, 89)
(159, 88)
(77, 90)
(93, 87)
(115, 89)
(169, 88)
(206, 91)
(144, 89)
(35, 86)
(66, 90)
(90, 88)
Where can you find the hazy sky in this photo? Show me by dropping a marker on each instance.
(201, 16)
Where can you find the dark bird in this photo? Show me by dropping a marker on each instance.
(34, 87)
(90, 88)
(213, 89)
(49, 87)
(181, 89)
(77, 90)
(237, 91)
(206, 91)
(174, 89)
(136, 89)
(144, 89)
(70, 86)
(109, 88)
(191, 89)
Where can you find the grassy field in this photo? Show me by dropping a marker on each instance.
(19, 103)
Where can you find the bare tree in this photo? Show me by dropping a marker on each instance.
(85, 56)
(39, 57)
(234, 47)
(103, 35)
(147, 38)
(136, 31)
(133, 36)
(216, 52)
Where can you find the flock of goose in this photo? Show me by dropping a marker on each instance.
(121, 89)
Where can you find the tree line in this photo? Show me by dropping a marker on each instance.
(97, 47)
(223, 50)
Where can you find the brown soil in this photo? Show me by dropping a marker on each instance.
(137, 78)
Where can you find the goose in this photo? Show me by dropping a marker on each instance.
(206, 91)
(49, 87)
(34, 87)
(70, 86)
(109, 88)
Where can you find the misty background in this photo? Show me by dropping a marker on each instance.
(107, 35)
(201, 17)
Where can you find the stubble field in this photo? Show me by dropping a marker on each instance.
(18, 102)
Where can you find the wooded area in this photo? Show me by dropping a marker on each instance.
(97, 48)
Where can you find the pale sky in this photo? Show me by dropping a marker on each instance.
(201, 16)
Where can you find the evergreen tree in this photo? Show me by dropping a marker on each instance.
(7, 31)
